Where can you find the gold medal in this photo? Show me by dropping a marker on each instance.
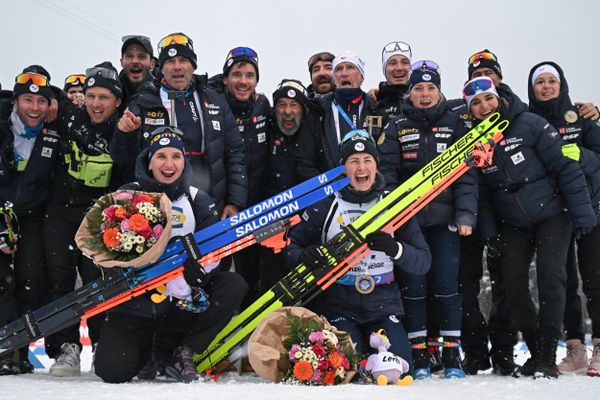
(364, 284)
(570, 116)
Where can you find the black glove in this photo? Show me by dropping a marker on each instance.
(493, 246)
(5, 241)
(194, 274)
(579, 232)
(381, 241)
(314, 256)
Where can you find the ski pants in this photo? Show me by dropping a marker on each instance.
(588, 260)
(126, 342)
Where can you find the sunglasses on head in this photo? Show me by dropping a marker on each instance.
(323, 56)
(32, 77)
(179, 38)
(140, 38)
(243, 52)
(393, 47)
(165, 129)
(476, 86)
(425, 64)
(73, 79)
(356, 134)
(103, 72)
(484, 55)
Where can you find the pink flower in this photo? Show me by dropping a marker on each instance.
(109, 213)
(157, 230)
(318, 349)
(123, 196)
(125, 226)
(345, 363)
(316, 337)
(316, 376)
(102, 227)
(324, 365)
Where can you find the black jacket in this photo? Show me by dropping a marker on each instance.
(280, 173)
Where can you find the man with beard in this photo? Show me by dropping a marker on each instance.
(137, 60)
(321, 74)
(289, 105)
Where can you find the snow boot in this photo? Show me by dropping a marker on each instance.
(68, 362)
(594, 368)
(420, 358)
(9, 367)
(503, 361)
(25, 367)
(576, 360)
(546, 361)
(434, 349)
(528, 369)
(473, 363)
(182, 367)
(451, 358)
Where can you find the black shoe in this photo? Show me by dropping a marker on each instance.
(420, 358)
(434, 347)
(9, 367)
(25, 367)
(475, 363)
(182, 367)
(546, 365)
(504, 364)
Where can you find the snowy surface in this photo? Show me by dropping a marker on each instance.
(41, 386)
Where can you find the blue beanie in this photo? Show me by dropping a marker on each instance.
(165, 136)
(424, 75)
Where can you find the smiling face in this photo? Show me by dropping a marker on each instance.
(100, 104)
(483, 105)
(425, 95)
(136, 63)
(178, 72)
(31, 108)
(347, 76)
(488, 72)
(167, 164)
(288, 114)
(241, 81)
(321, 77)
(361, 168)
(546, 87)
(397, 70)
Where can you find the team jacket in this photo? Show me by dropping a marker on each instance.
(280, 172)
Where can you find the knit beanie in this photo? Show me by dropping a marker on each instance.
(104, 75)
(484, 59)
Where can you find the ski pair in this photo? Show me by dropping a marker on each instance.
(348, 247)
(233, 233)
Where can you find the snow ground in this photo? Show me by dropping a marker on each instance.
(484, 386)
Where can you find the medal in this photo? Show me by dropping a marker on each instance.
(570, 116)
(364, 284)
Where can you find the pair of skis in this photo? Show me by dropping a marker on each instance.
(265, 223)
(348, 247)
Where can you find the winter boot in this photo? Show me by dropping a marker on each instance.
(528, 369)
(594, 368)
(434, 346)
(9, 367)
(420, 358)
(182, 367)
(25, 367)
(576, 360)
(546, 361)
(451, 358)
(475, 362)
(503, 361)
(68, 362)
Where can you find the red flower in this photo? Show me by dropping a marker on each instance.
(121, 213)
(146, 232)
(141, 198)
(109, 213)
(303, 371)
(318, 349)
(363, 362)
(111, 238)
(345, 363)
(329, 378)
(138, 223)
(336, 359)
(324, 365)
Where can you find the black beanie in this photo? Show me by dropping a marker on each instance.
(165, 136)
(358, 141)
(106, 76)
(241, 54)
(174, 50)
(484, 59)
(31, 87)
(292, 89)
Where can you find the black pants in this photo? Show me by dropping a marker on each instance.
(63, 259)
(588, 259)
(500, 328)
(247, 265)
(272, 268)
(126, 342)
(550, 242)
(22, 279)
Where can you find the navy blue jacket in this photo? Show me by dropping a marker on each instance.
(280, 173)
(386, 299)
(223, 159)
(583, 132)
(414, 139)
(530, 180)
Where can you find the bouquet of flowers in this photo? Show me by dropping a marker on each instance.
(293, 345)
(126, 229)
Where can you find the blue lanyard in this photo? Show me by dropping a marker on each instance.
(343, 113)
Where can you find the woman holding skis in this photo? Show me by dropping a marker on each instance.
(367, 298)
(196, 307)
(523, 195)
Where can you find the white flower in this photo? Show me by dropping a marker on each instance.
(340, 372)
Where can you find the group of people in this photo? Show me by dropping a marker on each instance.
(216, 145)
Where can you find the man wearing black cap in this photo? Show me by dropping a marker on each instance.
(85, 172)
(137, 62)
(29, 150)
(212, 140)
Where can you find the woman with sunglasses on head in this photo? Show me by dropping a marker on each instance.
(425, 129)
(195, 306)
(367, 298)
(549, 98)
(523, 196)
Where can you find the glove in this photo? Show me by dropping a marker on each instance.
(314, 256)
(194, 274)
(571, 151)
(579, 232)
(5, 241)
(198, 304)
(493, 246)
(384, 242)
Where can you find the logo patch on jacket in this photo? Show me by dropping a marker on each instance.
(46, 152)
(517, 158)
(178, 217)
(216, 125)
(154, 121)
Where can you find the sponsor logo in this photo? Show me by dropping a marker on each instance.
(46, 152)
(33, 88)
(164, 141)
(154, 121)
(172, 52)
(442, 135)
(261, 125)
(359, 146)
(262, 137)
(407, 131)
(410, 156)
(408, 138)
(441, 147)
(211, 106)
(216, 125)
(517, 158)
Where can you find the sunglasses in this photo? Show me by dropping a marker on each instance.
(73, 79)
(179, 38)
(103, 72)
(32, 77)
(243, 52)
(425, 64)
(140, 38)
(356, 134)
(165, 129)
(393, 47)
(477, 85)
(323, 56)
(484, 55)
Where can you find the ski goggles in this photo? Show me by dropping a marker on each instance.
(139, 38)
(75, 80)
(357, 134)
(484, 55)
(32, 77)
(397, 47)
(165, 129)
(103, 72)
(478, 85)
(242, 52)
(323, 56)
(178, 38)
(425, 64)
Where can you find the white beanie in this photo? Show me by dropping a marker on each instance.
(351, 58)
(476, 86)
(385, 57)
(543, 69)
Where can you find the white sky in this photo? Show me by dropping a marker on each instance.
(68, 36)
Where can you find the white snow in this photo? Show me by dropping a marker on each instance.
(41, 386)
